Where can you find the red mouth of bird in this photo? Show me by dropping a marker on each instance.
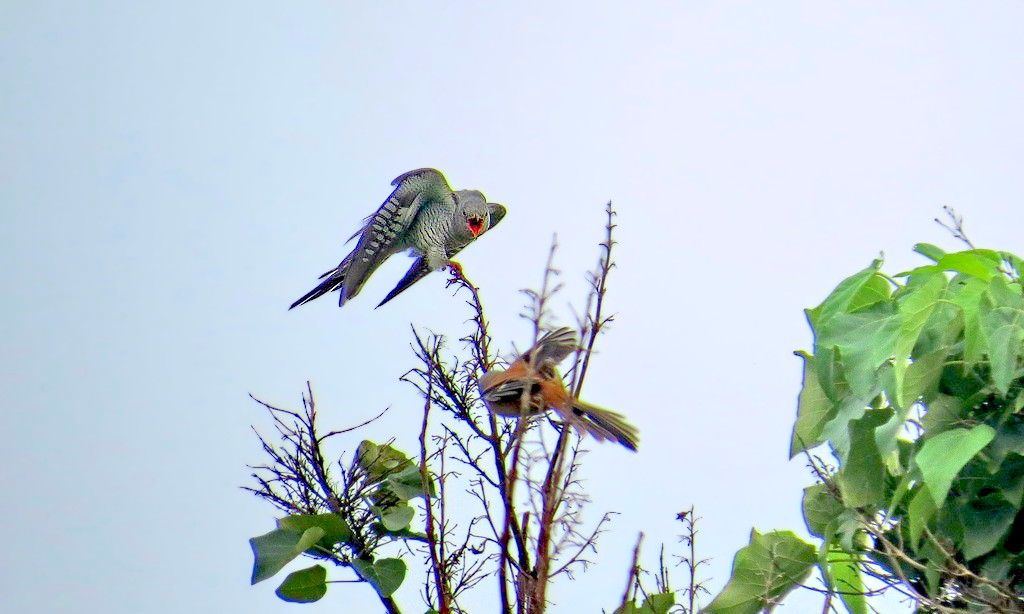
(475, 225)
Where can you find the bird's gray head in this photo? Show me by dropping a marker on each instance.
(474, 214)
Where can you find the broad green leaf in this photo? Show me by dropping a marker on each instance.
(821, 511)
(384, 575)
(336, 530)
(378, 528)
(828, 368)
(966, 292)
(874, 290)
(865, 340)
(276, 549)
(922, 379)
(380, 461)
(887, 434)
(396, 518)
(840, 298)
(986, 520)
(944, 329)
(936, 561)
(943, 456)
(763, 571)
(659, 603)
(1009, 439)
(844, 577)
(943, 414)
(851, 532)
(1002, 324)
(1011, 479)
(408, 484)
(915, 307)
(304, 586)
(813, 410)
(852, 407)
(862, 477)
(930, 251)
(920, 512)
(980, 263)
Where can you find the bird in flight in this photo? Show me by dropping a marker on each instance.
(532, 385)
(423, 216)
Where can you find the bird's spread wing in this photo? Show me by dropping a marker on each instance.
(509, 391)
(389, 225)
(552, 348)
(420, 269)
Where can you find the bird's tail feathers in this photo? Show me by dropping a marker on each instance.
(332, 280)
(604, 424)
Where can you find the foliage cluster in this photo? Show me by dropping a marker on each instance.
(915, 389)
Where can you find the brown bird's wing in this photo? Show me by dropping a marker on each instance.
(552, 348)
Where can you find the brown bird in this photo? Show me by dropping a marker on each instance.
(532, 385)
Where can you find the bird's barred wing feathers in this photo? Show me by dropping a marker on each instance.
(552, 348)
(392, 221)
(421, 269)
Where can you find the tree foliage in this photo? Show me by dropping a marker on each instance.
(915, 389)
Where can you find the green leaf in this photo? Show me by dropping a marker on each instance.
(378, 528)
(922, 380)
(840, 298)
(986, 520)
(862, 477)
(276, 549)
(304, 586)
(865, 340)
(930, 251)
(920, 512)
(943, 414)
(380, 461)
(844, 577)
(966, 293)
(384, 575)
(943, 456)
(814, 409)
(1002, 324)
(763, 571)
(659, 603)
(821, 511)
(874, 290)
(1011, 479)
(851, 532)
(396, 518)
(408, 484)
(852, 407)
(1009, 439)
(915, 306)
(336, 530)
(981, 263)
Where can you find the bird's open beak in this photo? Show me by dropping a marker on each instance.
(475, 225)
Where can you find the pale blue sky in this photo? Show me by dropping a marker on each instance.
(173, 176)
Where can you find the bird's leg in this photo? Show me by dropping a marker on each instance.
(457, 275)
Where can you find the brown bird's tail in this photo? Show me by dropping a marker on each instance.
(604, 424)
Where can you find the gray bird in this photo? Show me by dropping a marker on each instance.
(424, 216)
